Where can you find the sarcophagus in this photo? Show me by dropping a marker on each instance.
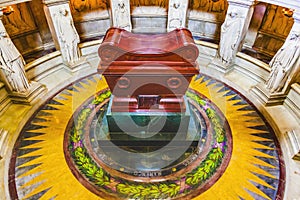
(148, 73)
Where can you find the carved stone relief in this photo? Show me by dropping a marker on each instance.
(284, 63)
(177, 14)
(121, 14)
(231, 35)
(12, 65)
(66, 34)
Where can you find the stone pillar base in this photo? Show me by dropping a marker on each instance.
(30, 96)
(4, 99)
(77, 65)
(267, 98)
(221, 67)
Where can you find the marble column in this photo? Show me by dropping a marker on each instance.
(12, 71)
(284, 69)
(120, 13)
(233, 32)
(64, 33)
(177, 14)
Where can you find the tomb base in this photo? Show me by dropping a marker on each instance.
(148, 125)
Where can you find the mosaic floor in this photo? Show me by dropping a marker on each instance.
(65, 151)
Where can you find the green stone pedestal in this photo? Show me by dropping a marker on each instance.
(148, 125)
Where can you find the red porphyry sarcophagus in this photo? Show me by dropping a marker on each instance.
(148, 72)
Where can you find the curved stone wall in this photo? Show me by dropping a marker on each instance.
(29, 30)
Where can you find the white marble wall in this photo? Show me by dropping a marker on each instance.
(149, 24)
(206, 29)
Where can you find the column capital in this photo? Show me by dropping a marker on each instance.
(242, 3)
(55, 2)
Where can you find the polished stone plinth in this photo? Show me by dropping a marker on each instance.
(148, 125)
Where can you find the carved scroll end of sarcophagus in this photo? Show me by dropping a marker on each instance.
(189, 53)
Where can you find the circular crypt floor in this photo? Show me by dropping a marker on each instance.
(65, 151)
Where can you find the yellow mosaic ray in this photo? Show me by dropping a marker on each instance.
(56, 174)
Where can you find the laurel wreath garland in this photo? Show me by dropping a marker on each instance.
(131, 189)
(148, 191)
(214, 158)
(82, 159)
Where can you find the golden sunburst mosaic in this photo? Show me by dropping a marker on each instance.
(241, 161)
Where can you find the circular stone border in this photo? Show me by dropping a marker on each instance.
(170, 172)
(193, 182)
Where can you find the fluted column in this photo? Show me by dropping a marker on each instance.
(285, 68)
(177, 13)
(12, 71)
(233, 32)
(64, 33)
